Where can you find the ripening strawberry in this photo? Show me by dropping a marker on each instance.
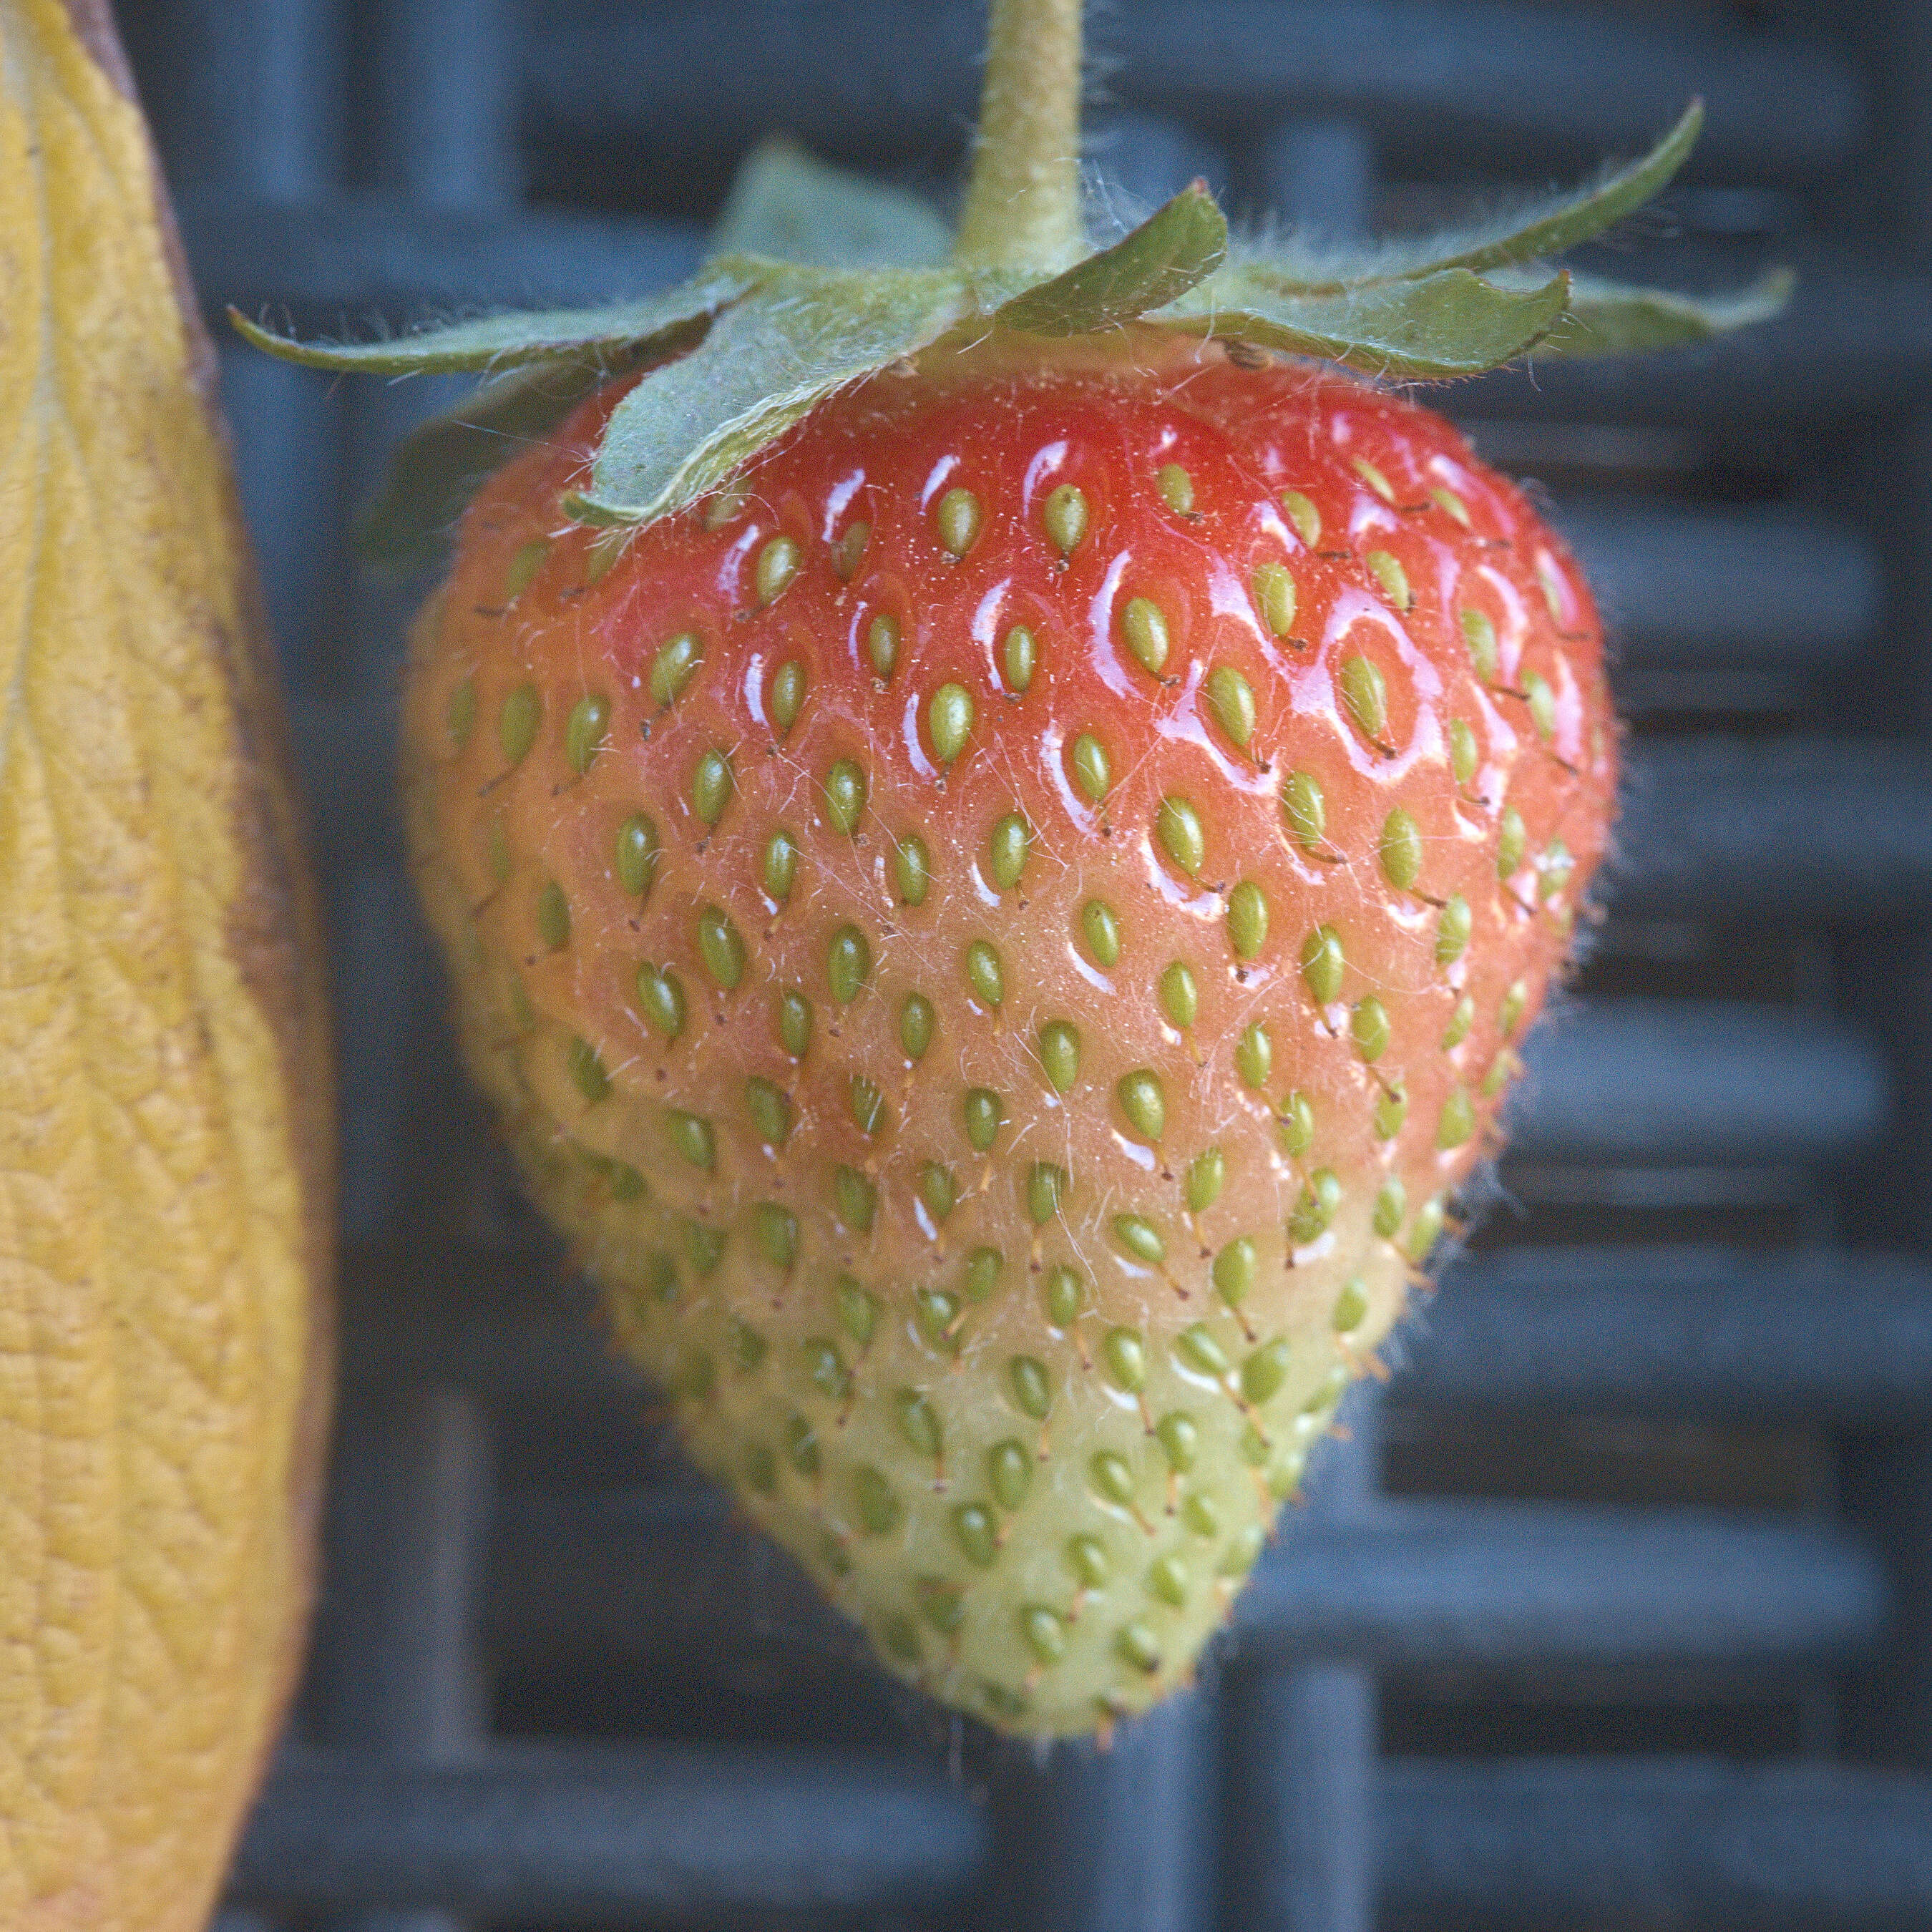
(997, 895)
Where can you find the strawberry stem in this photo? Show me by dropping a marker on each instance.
(1023, 203)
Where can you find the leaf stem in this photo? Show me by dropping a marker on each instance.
(1023, 203)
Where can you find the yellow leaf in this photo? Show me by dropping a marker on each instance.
(164, 1137)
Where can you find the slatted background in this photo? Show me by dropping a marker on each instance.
(1616, 1610)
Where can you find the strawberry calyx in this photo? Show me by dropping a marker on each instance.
(821, 280)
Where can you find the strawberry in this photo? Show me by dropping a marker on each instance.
(997, 839)
(997, 937)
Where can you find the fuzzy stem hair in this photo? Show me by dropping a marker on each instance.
(1022, 206)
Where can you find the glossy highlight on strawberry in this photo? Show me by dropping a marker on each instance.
(998, 935)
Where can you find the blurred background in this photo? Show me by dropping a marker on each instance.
(1615, 1609)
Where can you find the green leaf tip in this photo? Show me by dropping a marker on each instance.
(1607, 319)
(506, 341)
(1172, 252)
(1523, 232)
(1392, 309)
(1566, 220)
(787, 206)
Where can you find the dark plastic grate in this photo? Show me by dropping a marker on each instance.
(552, 1685)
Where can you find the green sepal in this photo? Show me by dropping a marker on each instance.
(1453, 323)
(787, 206)
(1525, 232)
(1175, 249)
(441, 464)
(802, 335)
(1607, 319)
(822, 280)
(505, 341)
